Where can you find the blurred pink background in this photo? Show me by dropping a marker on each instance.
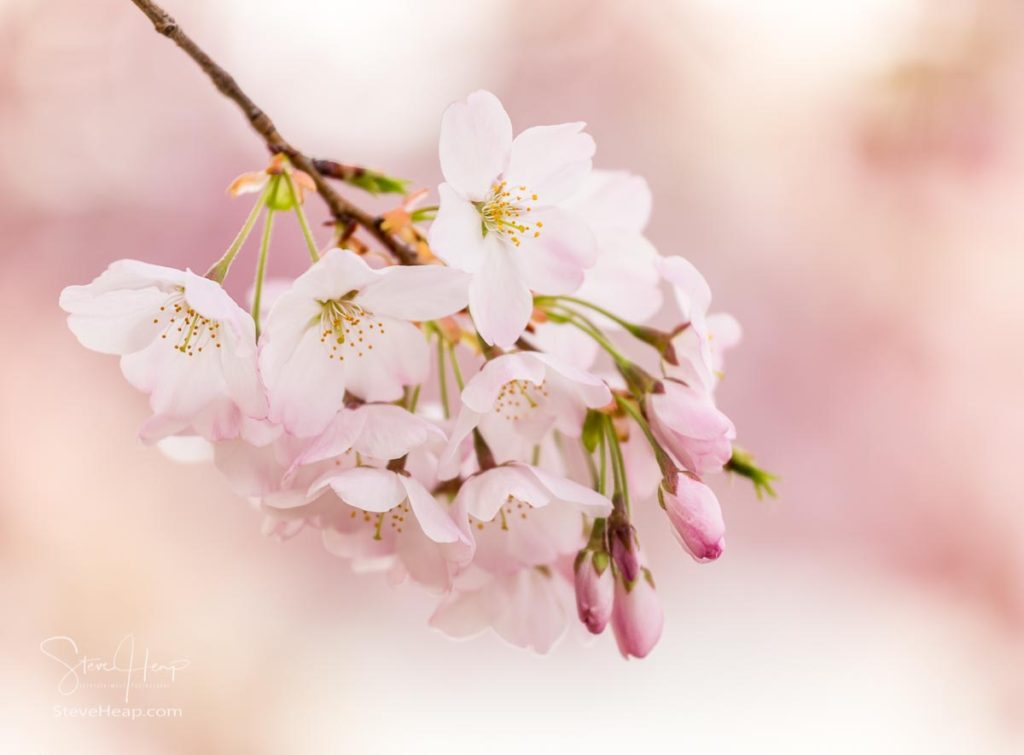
(848, 176)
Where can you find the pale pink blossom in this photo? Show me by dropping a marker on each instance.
(182, 340)
(523, 516)
(528, 608)
(689, 426)
(344, 326)
(637, 617)
(385, 514)
(700, 347)
(624, 279)
(500, 215)
(696, 516)
(595, 589)
(517, 398)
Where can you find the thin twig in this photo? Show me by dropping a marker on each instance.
(343, 211)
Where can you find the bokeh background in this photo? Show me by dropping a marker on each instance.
(848, 176)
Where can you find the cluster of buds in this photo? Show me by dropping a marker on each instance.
(468, 423)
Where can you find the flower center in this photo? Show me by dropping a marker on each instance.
(505, 212)
(518, 397)
(187, 330)
(393, 518)
(513, 509)
(344, 322)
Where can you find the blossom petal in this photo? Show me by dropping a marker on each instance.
(587, 500)
(499, 301)
(398, 358)
(623, 279)
(613, 200)
(304, 386)
(433, 518)
(391, 432)
(485, 493)
(423, 292)
(476, 136)
(551, 161)
(375, 490)
(456, 235)
(693, 295)
(587, 387)
(553, 262)
(483, 389)
(338, 272)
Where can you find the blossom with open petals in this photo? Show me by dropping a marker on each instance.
(501, 216)
(182, 340)
(344, 326)
(521, 515)
(386, 514)
(528, 608)
(517, 398)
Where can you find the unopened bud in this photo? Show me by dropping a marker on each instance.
(637, 618)
(695, 514)
(595, 589)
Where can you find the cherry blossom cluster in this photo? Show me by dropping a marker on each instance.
(471, 423)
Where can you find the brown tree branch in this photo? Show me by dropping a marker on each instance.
(343, 211)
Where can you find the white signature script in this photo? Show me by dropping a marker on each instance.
(125, 666)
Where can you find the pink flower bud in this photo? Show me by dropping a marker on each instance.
(595, 589)
(690, 427)
(695, 515)
(637, 618)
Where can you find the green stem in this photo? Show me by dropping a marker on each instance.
(633, 411)
(455, 366)
(579, 321)
(618, 464)
(414, 398)
(595, 483)
(442, 378)
(219, 271)
(590, 305)
(603, 474)
(301, 215)
(261, 268)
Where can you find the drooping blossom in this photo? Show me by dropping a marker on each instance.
(383, 513)
(523, 516)
(624, 279)
(689, 426)
(517, 398)
(700, 347)
(696, 516)
(501, 216)
(528, 608)
(182, 340)
(344, 326)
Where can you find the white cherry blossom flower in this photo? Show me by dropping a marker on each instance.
(385, 514)
(344, 326)
(501, 216)
(528, 608)
(517, 398)
(523, 516)
(182, 340)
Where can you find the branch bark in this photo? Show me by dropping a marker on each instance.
(343, 211)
